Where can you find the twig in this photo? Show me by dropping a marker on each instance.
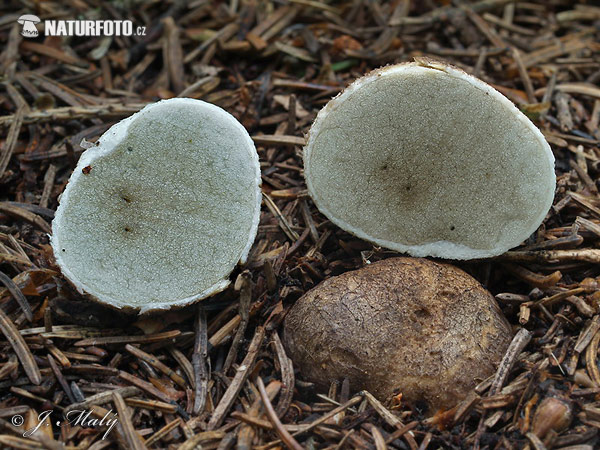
(426, 440)
(524, 76)
(238, 380)
(537, 280)
(535, 441)
(586, 255)
(324, 418)
(244, 285)
(246, 433)
(61, 379)
(145, 386)
(133, 439)
(52, 52)
(377, 438)
(253, 420)
(586, 336)
(11, 140)
(157, 364)
(48, 185)
(515, 348)
(14, 259)
(103, 397)
(485, 29)
(591, 355)
(448, 12)
(199, 362)
(283, 222)
(173, 55)
(385, 414)
(279, 139)
(284, 434)
(111, 111)
(17, 294)
(22, 213)
(401, 431)
(164, 431)
(152, 404)
(287, 377)
(185, 364)
(103, 340)
(195, 441)
(20, 347)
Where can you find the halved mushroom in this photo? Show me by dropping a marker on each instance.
(161, 210)
(425, 159)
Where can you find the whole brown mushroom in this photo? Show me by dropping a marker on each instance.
(403, 325)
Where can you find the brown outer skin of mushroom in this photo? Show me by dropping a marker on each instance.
(425, 329)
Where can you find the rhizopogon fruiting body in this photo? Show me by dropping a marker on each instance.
(161, 210)
(426, 159)
(412, 326)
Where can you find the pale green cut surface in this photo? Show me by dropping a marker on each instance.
(169, 207)
(429, 161)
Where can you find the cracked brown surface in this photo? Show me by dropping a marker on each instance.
(422, 328)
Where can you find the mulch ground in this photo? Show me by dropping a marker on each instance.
(215, 375)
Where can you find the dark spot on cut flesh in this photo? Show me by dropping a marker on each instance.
(86, 170)
(452, 228)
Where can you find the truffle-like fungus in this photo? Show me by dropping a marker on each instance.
(161, 210)
(424, 329)
(425, 159)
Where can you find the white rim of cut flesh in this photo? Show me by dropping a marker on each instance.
(113, 241)
(335, 180)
